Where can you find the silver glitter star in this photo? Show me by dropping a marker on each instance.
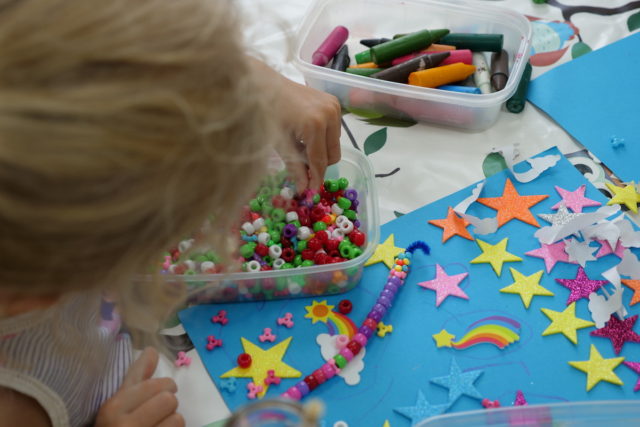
(561, 217)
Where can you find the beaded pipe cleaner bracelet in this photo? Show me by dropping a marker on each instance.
(395, 280)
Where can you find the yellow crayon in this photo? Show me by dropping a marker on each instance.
(438, 76)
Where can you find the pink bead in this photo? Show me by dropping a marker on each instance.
(347, 354)
(360, 339)
(267, 336)
(341, 341)
(329, 370)
(294, 393)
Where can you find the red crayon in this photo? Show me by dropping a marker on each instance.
(330, 46)
(462, 55)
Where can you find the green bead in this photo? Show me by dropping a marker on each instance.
(268, 222)
(296, 223)
(265, 192)
(277, 215)
(247, 250)
(341, 362)
(347, 240)
(271, 243)
(343, 183)
(286, 266)
(267, 259)
(281, 284)
(297, 261)
(190, 273)
(211, 256)
(200, 258)
(356, 252)
(302, 245)
(307, 263)
(267, 208)
(316, 198)
(346, 251)
(350, 214)
(331, 185)
(255, 205)
(319, 226)
(279, 227)
(344, 203)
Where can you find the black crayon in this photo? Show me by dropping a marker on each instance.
(341, 60)
(499, 69)
(373, 42)
(400, 73)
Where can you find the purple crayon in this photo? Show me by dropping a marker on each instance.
(330, 46)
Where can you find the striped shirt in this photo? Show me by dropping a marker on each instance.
(38, 359)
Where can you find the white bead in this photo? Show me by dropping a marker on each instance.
(264, 238)
(248, 228)
(278, 263)
(206, 265)
(185, 245)
(258, 223)
(172, 268)
(340, 219)
(275, 251)
(294, 288)
(253, 266)
(337, 233)
(340, 424)
(304, 233)
(291, 216)
(346, 226)
(336, 209)
(287, 193)
(190, 264)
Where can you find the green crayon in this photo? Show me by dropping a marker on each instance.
(363, 71)
(516, 103)
(385, 52)
(475, 42)
(364, 56)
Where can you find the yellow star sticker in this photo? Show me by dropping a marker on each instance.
(526, 286)
(627, 196)
(385, 252)
(263, 361)
(565, 322)
(599, 369)
(386, 423)
(496, 255)
(443, 338)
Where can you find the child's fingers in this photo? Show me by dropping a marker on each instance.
(333, 139)
(155, 410)
(138, 394)
(142, 368)
(173, 420)
(315, 139)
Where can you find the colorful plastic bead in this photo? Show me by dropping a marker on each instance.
(311, 381)
(183, 359)
(360, 339)
(267, 335)
(221, 318)
(272, 378)
(345, 306)
(212, 342)
(254, 390)
(286, 320)
(340, 361)
(244, 360)
(354, 347)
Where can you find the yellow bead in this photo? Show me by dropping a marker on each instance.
(333, 218)
(398, 268)
(406, 261)
(263, 229)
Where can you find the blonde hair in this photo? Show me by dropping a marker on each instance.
(123, 125)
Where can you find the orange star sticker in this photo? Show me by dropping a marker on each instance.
(635, 285)
(452, 225)
(512, 205)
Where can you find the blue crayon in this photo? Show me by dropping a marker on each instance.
(462, 89)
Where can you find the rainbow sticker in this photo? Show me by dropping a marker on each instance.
(337, 323)
(496, 330)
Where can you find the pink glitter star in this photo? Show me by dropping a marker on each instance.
(606, 249)
(575, 200)
(551, 254)
(520, 400)
(445, 285)
(618, 331)
(581, 286)
(636, 368)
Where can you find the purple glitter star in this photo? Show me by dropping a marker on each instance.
(618, 331)
(636, 368)
(581, 286)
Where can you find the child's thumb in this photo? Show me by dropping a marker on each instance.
(142, 368)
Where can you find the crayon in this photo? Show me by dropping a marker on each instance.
(365, 65)
(516, 103)
(390, 50)
(363, 57)
(434, 77)
(330, 46)
(475, 42)
(436, 47)
(363, 71)
(461, 89)
(341, 61)
(499, 69)
(481, 75)
(400, 73)
(373, 42)
(463, 55)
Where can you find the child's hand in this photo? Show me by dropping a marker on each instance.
(142, 401)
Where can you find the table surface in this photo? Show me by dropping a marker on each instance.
(428, 157)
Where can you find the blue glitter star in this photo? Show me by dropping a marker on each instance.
(459, 383)
(421, 410)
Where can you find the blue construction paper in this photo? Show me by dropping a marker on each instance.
(402, 363)
(596, 98)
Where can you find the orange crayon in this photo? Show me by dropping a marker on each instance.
(438, 48)
(438, 76)
(365, 65)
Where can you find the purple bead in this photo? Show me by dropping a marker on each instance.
(366, 331)
(355, 204)
(380, 308)
(303, 388)
(360, 339)
(383, 300)
(356, 223)
(395, 280)
(289, 231)
(391, 287)
(375, 315)
(388, 293)
(351, 194)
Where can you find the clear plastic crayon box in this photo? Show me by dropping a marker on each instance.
(385, 18)
(314, 280)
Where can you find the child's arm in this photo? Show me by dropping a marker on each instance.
(142, 401)
(310, 116)
(18, 409)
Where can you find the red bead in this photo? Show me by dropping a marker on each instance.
(311, 381)
(322, 235)
(324, 194)
(308, 254)
(266, 268)
(319, 375)
(331, 245)
(292, 204)
(261, 249)
(304, 220)
(288, 254)
(336, 259)
(254, 216)
(327, 219)
(314, 244)
(244, 360)
(334, 253)
(180, 269)
(302, 211)
(278, 201)
(321, 258)
(286, 243)
(370, 323)
(357, 237)
(345, 306)
(354, 346)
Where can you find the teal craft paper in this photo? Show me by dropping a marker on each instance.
(595, 98)
(405, 361)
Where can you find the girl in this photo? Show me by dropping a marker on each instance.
(123, 125)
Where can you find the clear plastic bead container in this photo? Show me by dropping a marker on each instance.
(384, 18)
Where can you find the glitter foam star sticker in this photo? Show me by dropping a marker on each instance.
(459, 382)
(581, 286)
(599, 369)
(618, 331)
(635, 366)
(627, 196)
(565, 322)
(575, 200)
(421, 410)
(526, 286)
(445, 285)
(551, 254)
(561, 217)
(452, 225)
(512, 205)
(263, 361)
(496, 255)
(385, 252)
(635, 286)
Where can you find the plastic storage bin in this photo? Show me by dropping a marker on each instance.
(384, 18)
(306, 281)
